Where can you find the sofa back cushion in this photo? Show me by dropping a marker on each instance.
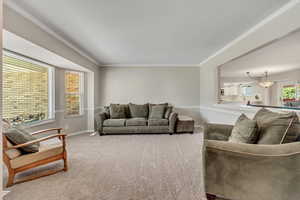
(272, 126)
(168, 112)
(138, 110)
(161, 104)
(117, 111)
(244, 131)
(157, 112)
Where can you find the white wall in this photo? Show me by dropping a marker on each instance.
(176, 85)
(277, 25)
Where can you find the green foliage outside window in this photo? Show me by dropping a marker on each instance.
(289, 93)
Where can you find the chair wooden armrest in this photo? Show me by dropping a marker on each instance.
(37, 141)
(48, 130)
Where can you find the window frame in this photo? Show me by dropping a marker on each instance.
(51, 83)
(81, 94)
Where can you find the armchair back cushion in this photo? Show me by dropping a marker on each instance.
(272, 126)
(17, 136)
(138, 111)
(244, 131)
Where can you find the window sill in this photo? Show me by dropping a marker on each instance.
(40, 123)
(73, 116)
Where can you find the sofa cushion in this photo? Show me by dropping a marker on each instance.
(158, 122)
(272, 126)
(138, 111)
(244, 131)
(114, 122)
(17, 136)
(117, 111)
(151, 105)
(12, 153)
(168, 112)
(136, 122)
(157, 112)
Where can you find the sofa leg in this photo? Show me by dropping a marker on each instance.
(100, 134)
(210, 196)
(171, 133)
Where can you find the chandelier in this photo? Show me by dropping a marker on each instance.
(264, 81)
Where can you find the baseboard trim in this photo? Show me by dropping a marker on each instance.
(80, 132)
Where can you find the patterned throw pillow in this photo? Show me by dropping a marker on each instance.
(244, 131)
(17, 136)
(157, 112)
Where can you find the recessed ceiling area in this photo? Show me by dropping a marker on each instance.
(156, 32)
(280, 56)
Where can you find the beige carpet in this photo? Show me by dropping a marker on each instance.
(123, 167)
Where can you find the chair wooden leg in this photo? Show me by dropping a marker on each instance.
(65, 162)
(210, 196)
(11, 177)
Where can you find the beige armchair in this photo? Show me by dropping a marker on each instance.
(250, 171)
(17, 162)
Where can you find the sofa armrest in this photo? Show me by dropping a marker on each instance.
(252, 171)
(217, 131)
(172, 122)
(99, 118)
(253, 149)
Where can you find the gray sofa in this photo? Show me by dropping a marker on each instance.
(136, 121)
(239, 171)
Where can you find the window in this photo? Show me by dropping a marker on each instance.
(74, 93)
(27, 90)
(289, 93)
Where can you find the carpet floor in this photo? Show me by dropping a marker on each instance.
(122, 167)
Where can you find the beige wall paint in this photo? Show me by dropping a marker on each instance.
(176, 85)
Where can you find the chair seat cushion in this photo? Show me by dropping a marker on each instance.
(45, 151)
(158, 122)
(136, 122)
(12, 153)
(114, 122)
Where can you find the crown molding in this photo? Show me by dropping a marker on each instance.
(265, 21)
(44, 27)
(149, 65)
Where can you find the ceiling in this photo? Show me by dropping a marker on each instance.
(156, 32)
(278, 57)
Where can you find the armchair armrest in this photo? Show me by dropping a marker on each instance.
(217, 131)
(38, 140)
(59, 130)
(172, 122)
(99, 118)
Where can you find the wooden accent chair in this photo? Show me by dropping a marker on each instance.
(17, 162)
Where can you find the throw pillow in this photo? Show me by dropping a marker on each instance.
(138, 110)
(168, 112)
(272, 126)
(244, 131)
(117, 111)
(157, 112)
(17, 136)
